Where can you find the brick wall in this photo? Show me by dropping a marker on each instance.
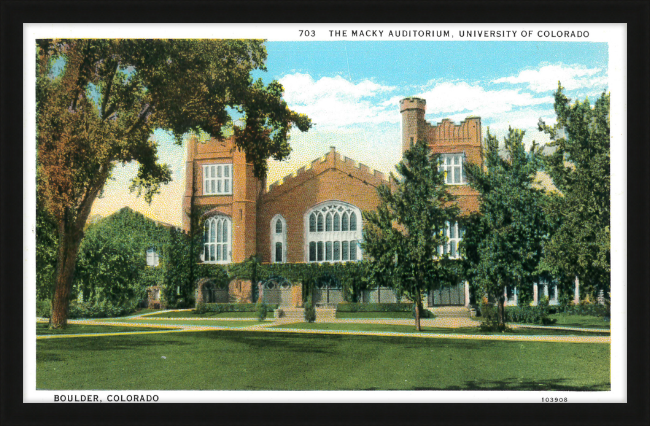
(333, 178)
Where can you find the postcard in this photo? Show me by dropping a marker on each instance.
(226, 213)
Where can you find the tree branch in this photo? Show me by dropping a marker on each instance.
(107, 91)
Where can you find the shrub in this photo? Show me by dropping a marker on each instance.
(424, 313)
(375, 307)
(43, 308)
(102, 309)
(490, 320)
(310, 311)
(202, 308)
(261, 311)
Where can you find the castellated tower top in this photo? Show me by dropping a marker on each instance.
(412, 103)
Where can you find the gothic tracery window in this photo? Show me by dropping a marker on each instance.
(333, 233)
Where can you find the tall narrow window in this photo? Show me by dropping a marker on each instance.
(454, 234)
(278, 239)
(332, 233)
(217, 247)
(217, 179)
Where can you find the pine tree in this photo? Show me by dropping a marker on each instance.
(580, 169)
(403, 235)
(503, 242)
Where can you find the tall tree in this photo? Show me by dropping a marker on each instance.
(580, 169)
(402, 236)
(503, 241)
(98, 102)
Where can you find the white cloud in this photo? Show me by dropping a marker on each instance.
(333, 102)
(461, 97)
(546, 78)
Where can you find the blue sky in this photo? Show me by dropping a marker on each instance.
(351, 91)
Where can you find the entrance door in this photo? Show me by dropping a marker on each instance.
(448, 296)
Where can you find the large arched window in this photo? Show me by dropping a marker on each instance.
(218, 240)
(333, 233)
(278, 239)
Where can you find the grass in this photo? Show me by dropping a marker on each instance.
(219, 323)
(433, 330)
(42, 329)
(579, 321)
(192, 314)
(282, 361)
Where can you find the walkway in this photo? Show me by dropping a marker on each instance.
(268, 326)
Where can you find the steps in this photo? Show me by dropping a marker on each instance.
(451, 312)
(298, 315)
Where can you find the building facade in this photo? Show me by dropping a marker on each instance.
(315, 214)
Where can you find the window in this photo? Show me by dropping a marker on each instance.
(218, 235)
(278, 239)
(217, 179)
(547, 289)
(452, 164)
(152, 257)
(454, 234)
(333, 233)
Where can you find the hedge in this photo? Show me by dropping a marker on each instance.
(588, 309)
(374, 307)
(202, 308)
(528, 315)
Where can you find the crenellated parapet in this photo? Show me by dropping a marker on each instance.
(446, 132)
(331, 160)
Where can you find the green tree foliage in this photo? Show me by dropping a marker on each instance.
(403, 235)
(46, 250)
(502, 246)
(112, 263)
(580, 169)
(98, 102)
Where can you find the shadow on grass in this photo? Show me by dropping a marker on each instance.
(109, 343)
(305, 343)
(524, 385)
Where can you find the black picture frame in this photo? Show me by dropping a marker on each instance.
(635, 411)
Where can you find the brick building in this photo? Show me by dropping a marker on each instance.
(314, 214)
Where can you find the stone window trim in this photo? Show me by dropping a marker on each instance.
(217, 236)
(332, 232)
(278, 230)
(217, 179)
(453, 164)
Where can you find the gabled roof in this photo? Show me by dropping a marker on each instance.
(331, 160)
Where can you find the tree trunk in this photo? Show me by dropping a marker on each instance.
(501, 310)
(69, 240)
(418, 303)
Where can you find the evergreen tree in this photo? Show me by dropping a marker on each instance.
(580, 169)
(403, 235)
(502, 246)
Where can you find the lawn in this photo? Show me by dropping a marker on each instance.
(192, 314)
(42, 329)
(281, 361)
(579, 321)
(433, 330)
(216, 323)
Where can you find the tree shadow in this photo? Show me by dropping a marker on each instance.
(305, 343)
(511, 384)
